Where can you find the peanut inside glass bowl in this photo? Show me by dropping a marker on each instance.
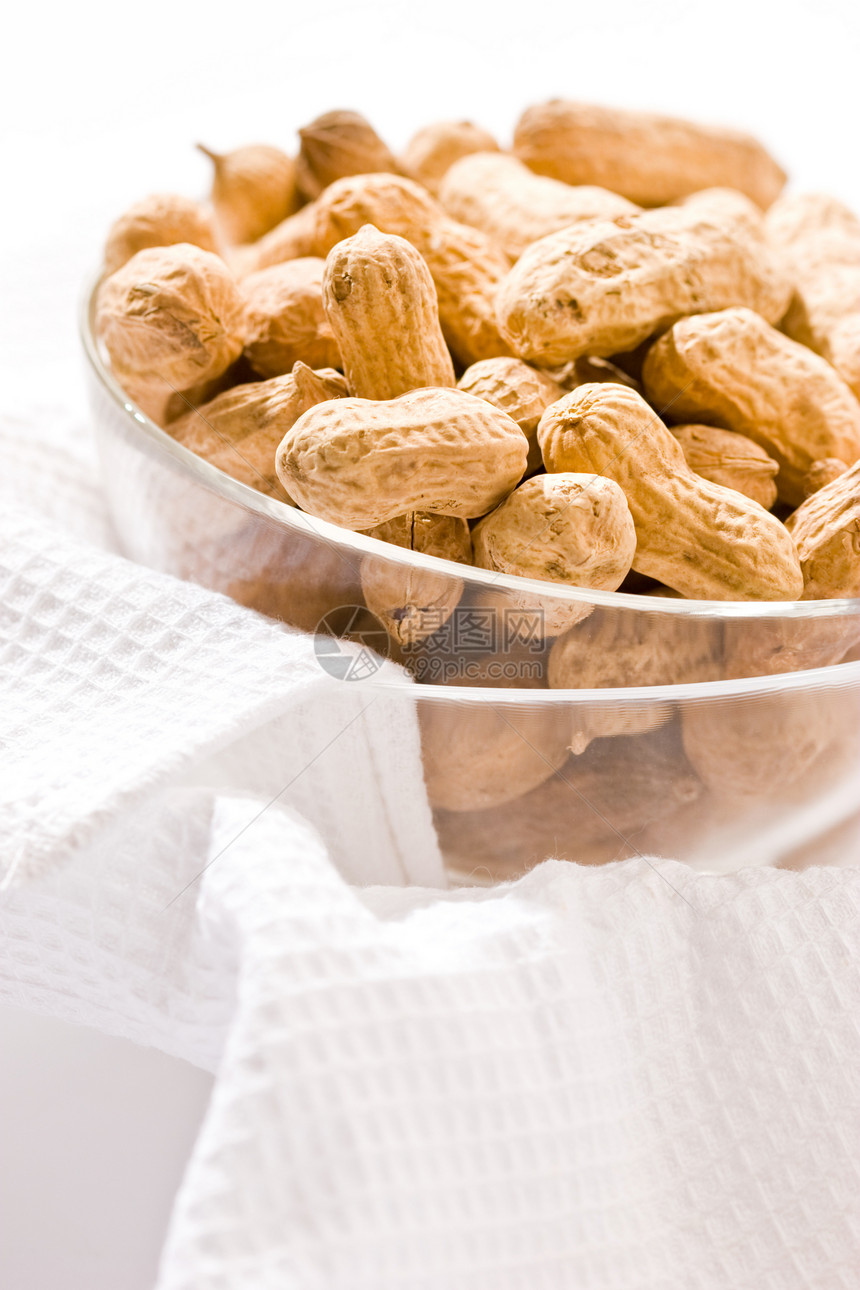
(694, 729)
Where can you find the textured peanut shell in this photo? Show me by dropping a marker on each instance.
(160, 220)
(518, 389)
(338, 144)
(496, 193)
(572, 529)
(820, 474)
(818, 240)
(465, 264)
(293, 239)
(171, 314)
(733, 370)
(414, 603)
(380, 302)
(253, 189)
(622, 650)
(360, 462)
(768, 647)
(650, 159)
(479, 756)
(586, 812)
(826, 531)
(731, 459)
(239, 431)
(603, 287)
(286, 322)
(432, 151)
(699, 538)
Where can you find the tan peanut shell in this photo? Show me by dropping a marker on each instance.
(360, 462)
(380, 303)
(162, 219)
(465, 264)
(769, 646)
(697, 537)
(618, 650)
(603, 287)
(496, 193)
(413, 603)
(826, 531)
(731, 459)
(820, 474)
(572, 529)
(818, 240)
(650, 159)
(432, 151)
(733, 370)
(239, 430)
(477, 756)
(522, 391)
(293, 239)
(171, 315)
(585, 812)
(285, 322)
(338, 144)
(253, 189)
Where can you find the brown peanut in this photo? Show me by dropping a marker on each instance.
(701, 539)
(496, 193)
(172, 317)
(585, 812)
(821, 473)
(465, 264)
(285, 321)
(338, 144)
(380, 302)
(733, 370)
(431, 152)
(650, 159)
(522, 391)
(412, 602)
(253, 189)
(239, 430)
(730, 459)
(818, 239)
(359, 462)
(603, 287)
(294, 238)
(160, 220)
(769, 646)
(572, 529)
(826, 531)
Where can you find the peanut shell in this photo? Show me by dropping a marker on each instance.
(253, 189)
(162, 219)
(432, 151)
(286, 322)
(337, 144)
(414, 603)
(522, 391)
(826, 530)
(731, 459)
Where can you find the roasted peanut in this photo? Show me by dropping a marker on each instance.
(479, 756)
(618, 650)
(338, 144)
(731, 459)
(572, 529)
(496, 193)
(818, 240)
(649, 159)
(769, 646)
(253, 189)
(523, 392)
(701, 539)
(285, 322)
(360, 462)
(380, 302)
(160, 220)
(239, 430)
(465, 264)
(172, 317)
(294, 238)
(431, 152)
(821, 473)
(602, 287)
(733, 370)
(411, 602)
(585, 812)
(826, 531)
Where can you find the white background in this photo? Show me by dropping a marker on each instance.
(100, 104)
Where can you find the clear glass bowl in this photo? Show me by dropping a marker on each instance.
(724, 734)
